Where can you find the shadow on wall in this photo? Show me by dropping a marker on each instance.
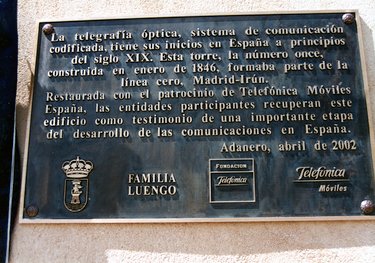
(369, 51)
(213, 239)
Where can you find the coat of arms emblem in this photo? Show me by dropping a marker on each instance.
(76, 186)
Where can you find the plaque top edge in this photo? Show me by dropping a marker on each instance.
(193, 15)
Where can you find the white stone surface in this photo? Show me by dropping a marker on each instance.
(344, 241)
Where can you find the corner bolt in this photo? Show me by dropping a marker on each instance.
(32, 211)
(367, 207)
(48, 29)
(348, 18)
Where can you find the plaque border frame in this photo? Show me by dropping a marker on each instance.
(366, 89)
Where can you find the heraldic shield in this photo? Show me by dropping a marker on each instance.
(76, 187)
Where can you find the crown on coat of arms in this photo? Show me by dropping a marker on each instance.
(77, 168)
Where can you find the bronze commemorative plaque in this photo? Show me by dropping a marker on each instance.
(199, 118)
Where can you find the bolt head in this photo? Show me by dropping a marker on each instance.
(32, 211)
(367, 207)
(48, 29)
(348, 18)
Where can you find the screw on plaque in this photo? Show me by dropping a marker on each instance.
(348, 18)
(48, 29)
(32, 211)
(367, 207)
